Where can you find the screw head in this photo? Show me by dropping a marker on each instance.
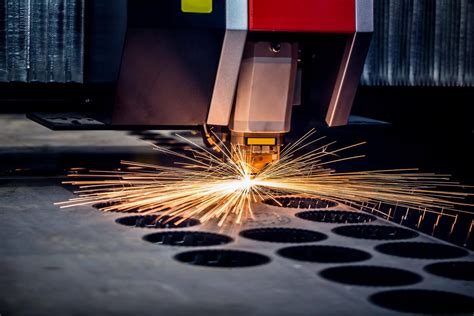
(275, 47)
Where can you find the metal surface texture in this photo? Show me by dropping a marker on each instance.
(42, 41)
(307, 257)
(226, 78)
(229, 63)
(347, 81)
(236, 14)
(265, 88)
(421, 43)
(364, 15)
(53, 261)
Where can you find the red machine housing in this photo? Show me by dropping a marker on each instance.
(322, 16)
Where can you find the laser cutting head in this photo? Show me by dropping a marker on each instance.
(259, 149)
(242, 65)
(255, 99)
(264, 98)
(237, 65)
(268, 82)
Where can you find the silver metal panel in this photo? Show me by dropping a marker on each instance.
(348, 79)
(364, 15)
(226, 78)
(265, 89)
(236, 14)
(298, 87)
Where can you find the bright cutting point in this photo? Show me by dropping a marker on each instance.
(208, 187)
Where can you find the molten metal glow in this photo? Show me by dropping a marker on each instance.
(208, 187)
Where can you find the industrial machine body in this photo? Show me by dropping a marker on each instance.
(238, 67)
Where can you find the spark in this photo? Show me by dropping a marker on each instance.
(225, 189)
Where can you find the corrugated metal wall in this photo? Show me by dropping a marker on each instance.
(41, 40)
(416, 42)
(422, 43)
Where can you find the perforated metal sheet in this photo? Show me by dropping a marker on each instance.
(296, 261)
(80, 261)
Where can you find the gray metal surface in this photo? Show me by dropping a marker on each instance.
(236, 12)
(364, 15)
(347, 80)
(265, 88)
(79, 261)
(227, 75)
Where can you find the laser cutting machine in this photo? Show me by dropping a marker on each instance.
(238, 67)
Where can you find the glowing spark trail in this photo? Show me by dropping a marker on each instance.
(207, 187)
